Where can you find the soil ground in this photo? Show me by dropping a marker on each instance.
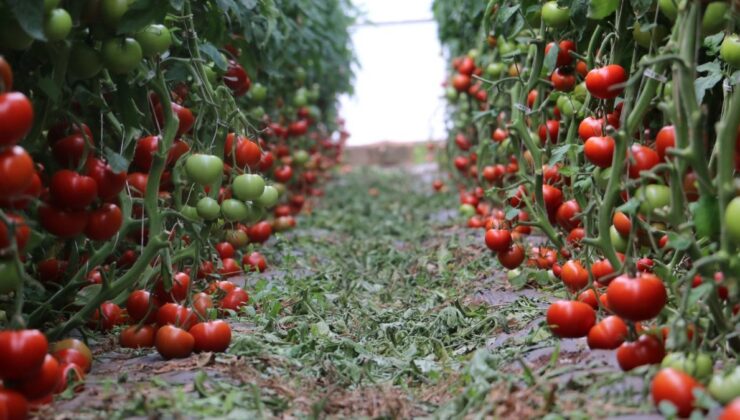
(380, 304)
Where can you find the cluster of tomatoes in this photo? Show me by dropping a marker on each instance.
(551, 164)
(32, 371)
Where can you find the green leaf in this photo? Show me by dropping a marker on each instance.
(512, 213)
(712, 43)
(599, 9)
(214, 54)
(50, 88)
(640, 7)
(30, 15)
(87, 293)
(703, 84)
(142, 13)
(551, 58)
(679, 242)
(630, 207)
(559, 152)
(116, 161)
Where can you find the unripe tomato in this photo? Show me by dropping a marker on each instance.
(729, 51)
(555, 16)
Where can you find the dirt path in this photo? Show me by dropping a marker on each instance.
(379, 304)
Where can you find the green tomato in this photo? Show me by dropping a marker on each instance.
(644, 38)
(84, 62)
(505, 47)
(111, 11)
(154, 39)
(495, 70)
(601, 177)
(300, 99)
(12, 36)
(668, 8)
(570, 107)
(705, 214)
(725, 388)
(258, 92)
(300, 157)
(314, 93)
(580, 92)
(10, 278)
(729, 51)
(618, 241)
(512, 274)
(280, 187)
(190, 212)
(248, 187)
(257, 112)
(554, 16)
(269, 197)
(211, 74)
(473, 53)
(467, 210)
(121, 55)
(697, 365)
(732, 219)
(234, 210)
(204, 169)
(57, 25)
(653, 197)
(300, 74)
(208, 208)
(668, 91)
(713, 20)
(451, 94)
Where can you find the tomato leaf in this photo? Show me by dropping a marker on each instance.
(142, 13)
(116, 161)
(705, 83)
(551, 58)
(630, 207)
(713, 42)
(30, 15)
(599, 9)
(50, 88)
(512, 213)
(87, 293)
(212, 52)
(640, 7)
(679, 242)
(559, 152)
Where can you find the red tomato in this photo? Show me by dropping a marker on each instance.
(564, 49)
(104, 223)
(647, 350)
(75, 355)
(588, 296)
(512, 257)
(16, 117)
(13, 405)
(637, 299)
(608, 334)
(212, 336)
(255, 261)
(16, 171)
(177, 150)
(603, 82)
(622, 223)
(71, 190)
(135, 337)
(260, 232)
(21, 234)
(246, 152)
(283, 174)
(498, 240)
(644, 159)
(235, 299)
(223, 286)
(266, 161)
(462, 142)
(645, 265)
(665, 140)
(298, 128)
(51, 270)
(466, 66)
(179, 290)
(676, 387)
(175, 314)
(237, 79)
(184, 116)
(570, 319)
(69, 373)
(202, 303)
(41, 383)
(144, 152)
(229, 268)
(600, 270)
(461, 82)
(205, 269)
(499, 135)
(599, 151)
(225, 250)
(112, 315)
(553, 197)
(69, 150)
(563, 79)
(22, 200)
(566, 214)
(731, 411)
(109, 183)
(590, 127)
(6, 76)
(173, 342)
(574, 275)
(532, 98)
(138, 306)
(24, 352)
(550, 129)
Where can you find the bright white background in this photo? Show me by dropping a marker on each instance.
(398, 96)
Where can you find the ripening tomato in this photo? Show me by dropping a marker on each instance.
(16, 118)
(599, 151)
(498, 240)
(512, 257)
(235, 299)
(574, 275)
(608, 334)
(604, 82)
(173, 342)
(212, 336)
(622, 223)
(642, 158)
(570, 319)
(247, 153)
(136, 337)
(104, 222)
(109, 183)
(647, 350)
(138, 306)
(566, 215)
(676, 387)
(563, 79)
(23, 351)
(564, 49)
(665, 140)
(16, 171)
(550, 130)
